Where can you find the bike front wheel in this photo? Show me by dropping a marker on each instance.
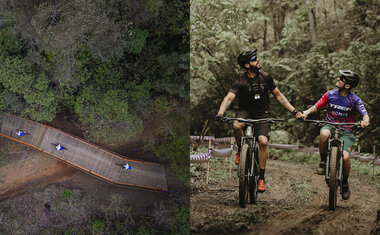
(333, 178)
(254, 179)
(243, 175)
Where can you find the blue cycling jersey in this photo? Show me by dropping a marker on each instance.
(341, 108)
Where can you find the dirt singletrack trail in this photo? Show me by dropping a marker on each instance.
(296, 202)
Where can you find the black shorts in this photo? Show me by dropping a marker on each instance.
(260, 128)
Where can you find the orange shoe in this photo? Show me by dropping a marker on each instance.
(261, 187)
(237, 158)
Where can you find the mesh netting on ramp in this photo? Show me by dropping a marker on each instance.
(222, 152)
(224, 140)
(227, 152)
(283, 146)
(195, 138)
(199, 158)
(205, 157)
(366, 158)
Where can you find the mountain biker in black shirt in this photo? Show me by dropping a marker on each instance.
(252, 90)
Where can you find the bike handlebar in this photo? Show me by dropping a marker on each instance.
(252, 121)
(319, 123)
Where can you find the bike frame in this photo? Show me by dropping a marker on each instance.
(249, 138)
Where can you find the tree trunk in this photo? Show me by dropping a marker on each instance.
(336, 13)
(325, 12)
(265, 33)
(278, 17)
(312, 26)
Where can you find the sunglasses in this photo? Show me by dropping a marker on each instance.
(254, 58)
(341, 78)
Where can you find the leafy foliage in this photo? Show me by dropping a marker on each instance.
(169, 152)
(346, 37)
(107, 113)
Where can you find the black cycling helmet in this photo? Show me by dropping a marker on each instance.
(245, 57)
(349, 77)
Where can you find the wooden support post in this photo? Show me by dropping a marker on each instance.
(232, 146)
(358, 160)
(208, 162)
(208, 167)
(373, 165)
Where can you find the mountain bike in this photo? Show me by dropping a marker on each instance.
(58, 147)
(21, 133)
(334, 162)
(248, 168)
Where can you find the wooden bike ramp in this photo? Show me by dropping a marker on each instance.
(85, 156)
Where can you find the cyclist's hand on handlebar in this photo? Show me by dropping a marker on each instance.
(296, 113)
(364, 123)
(218, 117)
(303, 115)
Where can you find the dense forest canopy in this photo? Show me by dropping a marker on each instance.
(110, 65)
(302, 44)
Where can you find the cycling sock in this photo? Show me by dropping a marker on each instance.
(238, 151)
(261, 174)
(345, 179)
(323, 157)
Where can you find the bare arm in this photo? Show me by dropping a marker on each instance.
(306, 113)
(282, 99)
(226, 102)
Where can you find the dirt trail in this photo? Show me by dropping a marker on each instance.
(296, 203)
(31, 170)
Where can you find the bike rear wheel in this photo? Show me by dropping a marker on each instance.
(243, 175)
(254, 179)
(333, 178)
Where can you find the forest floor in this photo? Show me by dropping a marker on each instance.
(35, 191)
(296, 202)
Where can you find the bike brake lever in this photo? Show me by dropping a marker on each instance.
(224, 119)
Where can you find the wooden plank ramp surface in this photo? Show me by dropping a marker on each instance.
(85, 156)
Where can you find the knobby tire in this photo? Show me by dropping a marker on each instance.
(333, 181)
(243, 177)
(253, 181)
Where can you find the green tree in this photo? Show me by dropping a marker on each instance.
(107, 116)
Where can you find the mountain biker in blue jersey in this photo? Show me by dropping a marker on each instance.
(20, 133)
(252, 90)
(341, 106)
(59, 147)
(126, 166)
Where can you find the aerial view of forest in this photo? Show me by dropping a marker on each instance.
(114, 73)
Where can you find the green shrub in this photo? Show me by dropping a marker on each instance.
(67, 195)
(98, 226)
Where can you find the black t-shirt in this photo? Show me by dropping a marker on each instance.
(253, 92)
